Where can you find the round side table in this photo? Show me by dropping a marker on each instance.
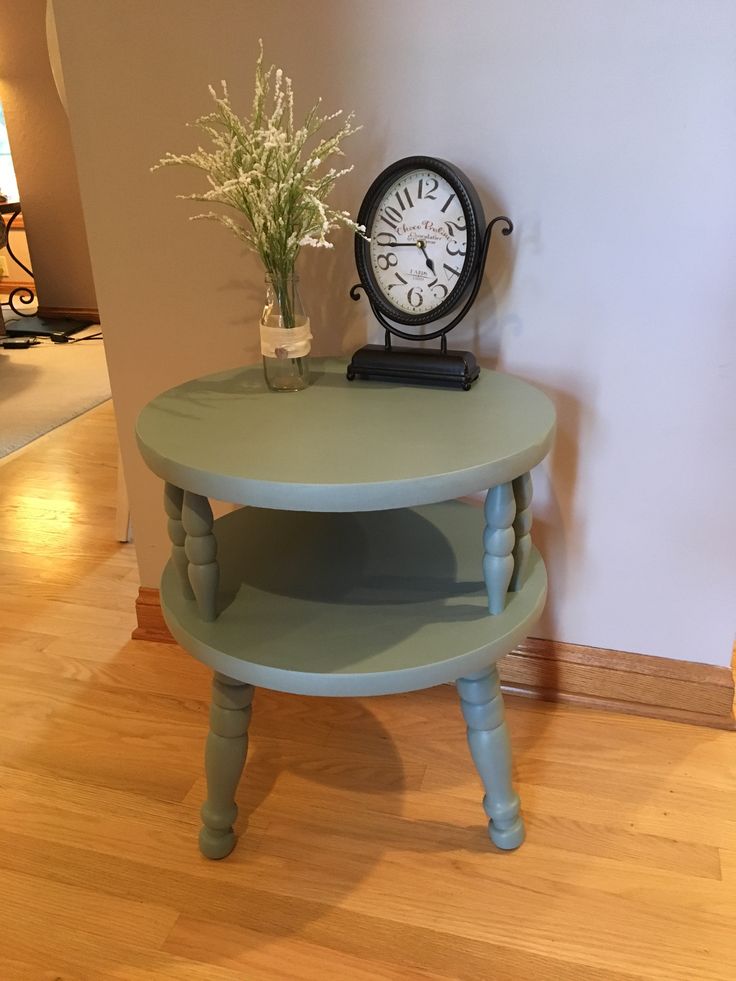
(352, 570)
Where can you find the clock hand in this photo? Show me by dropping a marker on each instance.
(430, 264)
(419, 244)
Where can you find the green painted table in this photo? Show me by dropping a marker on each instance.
(352, 569)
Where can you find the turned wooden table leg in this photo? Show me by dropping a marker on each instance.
(498, 544)
(173, 500)
(201, 551)
(488, 738)
(227, 747)
(522, 529)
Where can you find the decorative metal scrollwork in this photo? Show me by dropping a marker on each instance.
(442, 331)
(25, 294)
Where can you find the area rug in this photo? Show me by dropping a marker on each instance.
(44, 386)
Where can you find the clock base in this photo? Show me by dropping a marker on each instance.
(414, 366)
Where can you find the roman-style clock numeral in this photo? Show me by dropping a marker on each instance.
(386, 259)
(400, 199)
(435, 284)
(455, 247)
(426, 191)
(401, 282)
(453, 226)
(391, 224)
(451, 269)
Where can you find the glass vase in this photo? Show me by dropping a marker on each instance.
(286, 337)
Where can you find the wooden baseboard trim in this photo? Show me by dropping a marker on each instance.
(151, 623)
(617, 681)
(608, 680)
(8, 285)
(49, 313)
(71, 313)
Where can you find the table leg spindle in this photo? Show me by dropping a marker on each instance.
(522, 529)
(482, 705)
(498, 543)
(201, 551)
(173, 500)
(227, 747)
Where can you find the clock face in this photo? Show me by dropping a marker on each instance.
(422, 218)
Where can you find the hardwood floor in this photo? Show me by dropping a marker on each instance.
(365, 854)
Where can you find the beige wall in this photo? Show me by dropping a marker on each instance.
(43, 159)
(606, 131)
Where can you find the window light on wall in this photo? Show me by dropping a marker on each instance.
(8, 183)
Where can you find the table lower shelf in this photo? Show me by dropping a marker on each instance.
(352, 604)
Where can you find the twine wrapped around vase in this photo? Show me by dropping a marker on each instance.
(286, 342)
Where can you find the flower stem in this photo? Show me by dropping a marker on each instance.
(282, 283)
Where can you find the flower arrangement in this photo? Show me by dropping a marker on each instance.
(271, 173)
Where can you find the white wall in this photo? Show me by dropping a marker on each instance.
(606, 131)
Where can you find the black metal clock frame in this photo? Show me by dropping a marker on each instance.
(418, 365)
(474, 221)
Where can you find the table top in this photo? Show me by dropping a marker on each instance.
(340, 445)
(352, 604)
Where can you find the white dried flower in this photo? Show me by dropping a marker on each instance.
(262, 168)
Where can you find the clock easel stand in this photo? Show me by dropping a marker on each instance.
(423, 366)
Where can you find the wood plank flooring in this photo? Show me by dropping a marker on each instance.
(363, 852)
